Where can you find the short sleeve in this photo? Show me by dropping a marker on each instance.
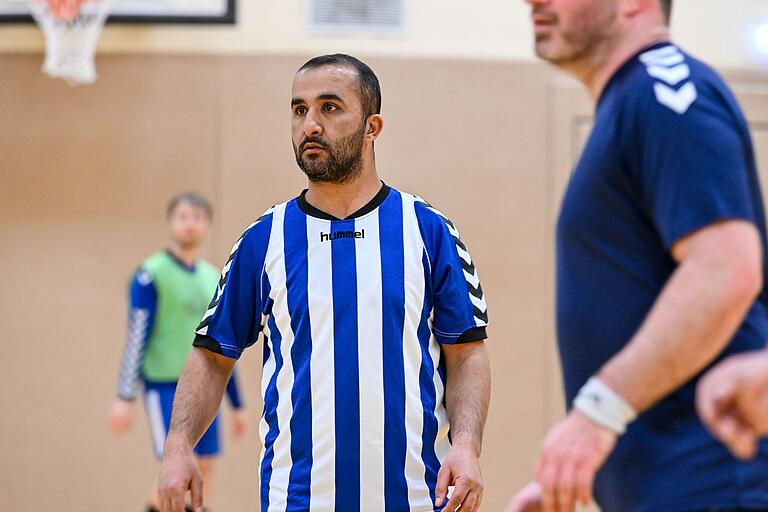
(459, 311)
(233, 320)
(693, 168)
(142, 291)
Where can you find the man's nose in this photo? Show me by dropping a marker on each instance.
(312, 126)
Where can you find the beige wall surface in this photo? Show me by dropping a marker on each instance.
(721, 31)
(84, 179)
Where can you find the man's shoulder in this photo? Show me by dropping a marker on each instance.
(432, 221)
(666, 81)
(154, 263)
(425, 211)
(258, 230)
(208, 268)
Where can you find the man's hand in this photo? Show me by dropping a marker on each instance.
(527, 500)
(240, 422)
(178, 474)
(571, 455)
(462, 470)
(732, 400)
(120, 416)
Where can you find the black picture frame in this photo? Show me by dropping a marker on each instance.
(228, 18)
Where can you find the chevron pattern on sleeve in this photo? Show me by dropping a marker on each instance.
(667, 65)
(474, 287)
(203, 327)
(128, 381)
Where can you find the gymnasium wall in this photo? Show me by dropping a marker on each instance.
(84, 179)
(722, 30)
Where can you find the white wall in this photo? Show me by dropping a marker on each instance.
(717, 30)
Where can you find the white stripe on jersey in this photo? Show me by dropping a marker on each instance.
(156, 423)
(275, 268)
(267, 371)
(320, 300)
(371, 357)
(413, 246)
(442, 442)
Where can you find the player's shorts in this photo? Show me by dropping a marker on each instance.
(158, 401)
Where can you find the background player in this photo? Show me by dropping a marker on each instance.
(660, 246)
(374, 323)
(168, 295)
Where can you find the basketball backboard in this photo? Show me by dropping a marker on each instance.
(142, 11)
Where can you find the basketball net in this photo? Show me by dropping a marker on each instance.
(71, 29)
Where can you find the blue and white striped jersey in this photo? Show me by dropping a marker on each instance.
(353, 312)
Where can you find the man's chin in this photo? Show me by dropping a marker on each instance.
(543, 48)
(188, 245)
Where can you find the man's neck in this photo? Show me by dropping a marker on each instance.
(595, 70)
(342, 200)
(187, 255)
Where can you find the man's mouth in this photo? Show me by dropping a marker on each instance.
(542, 20)
(312, 147)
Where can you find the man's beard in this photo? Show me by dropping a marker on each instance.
(343, 163)
(586, 36)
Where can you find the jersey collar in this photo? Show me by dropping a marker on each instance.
(374, 203)
(180, 263)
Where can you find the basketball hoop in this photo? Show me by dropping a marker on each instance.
(71, 29)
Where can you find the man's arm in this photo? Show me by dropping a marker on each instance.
(700, 308)
(198, 397)
(467, 394)
(696, 315)
(143, 306)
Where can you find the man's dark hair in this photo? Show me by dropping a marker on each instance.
(370, 91)
(192, 198)
(666, 8)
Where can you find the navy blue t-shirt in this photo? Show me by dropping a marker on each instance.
(670, 153)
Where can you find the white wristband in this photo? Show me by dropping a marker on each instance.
(604, 406)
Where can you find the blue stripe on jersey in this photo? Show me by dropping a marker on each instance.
(297, 276)
(270, 410)
(428, 394)
(346, 370)
(393, 312)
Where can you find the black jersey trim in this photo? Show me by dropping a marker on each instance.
(374, 203)
(473, 334)
(207, 342)
(183, 265)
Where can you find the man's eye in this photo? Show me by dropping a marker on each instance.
(300, 111)
(328, 107)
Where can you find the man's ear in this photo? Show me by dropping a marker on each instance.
(374, 126)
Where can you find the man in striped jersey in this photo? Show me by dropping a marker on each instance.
(376, 379)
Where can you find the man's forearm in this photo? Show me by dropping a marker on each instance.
(694, 318)
(468, 393)
(198, 397)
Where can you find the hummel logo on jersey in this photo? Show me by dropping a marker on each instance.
(325, 237)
